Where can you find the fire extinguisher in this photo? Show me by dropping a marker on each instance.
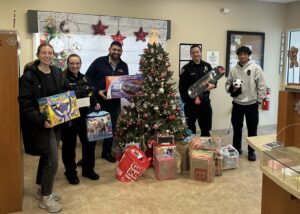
(266, 100)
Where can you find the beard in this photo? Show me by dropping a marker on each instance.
(115, 56)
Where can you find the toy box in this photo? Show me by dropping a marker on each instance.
(124, 86)
(98, 125)
(59, 108)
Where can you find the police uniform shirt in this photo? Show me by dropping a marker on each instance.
(189, 74)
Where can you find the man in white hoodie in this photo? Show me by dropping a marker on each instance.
(246, 99)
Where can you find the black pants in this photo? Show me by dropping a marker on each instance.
(69, 138)
(237, 119)
(202, 113)
(108, 142)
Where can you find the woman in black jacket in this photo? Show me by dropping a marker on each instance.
(77, 82)
(40, 79)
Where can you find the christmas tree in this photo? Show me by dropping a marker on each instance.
(158, 111)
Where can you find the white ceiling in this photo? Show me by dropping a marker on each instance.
(279, 1)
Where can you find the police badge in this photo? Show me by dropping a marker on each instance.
(205, 69)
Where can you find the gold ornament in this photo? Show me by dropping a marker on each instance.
(50, 22)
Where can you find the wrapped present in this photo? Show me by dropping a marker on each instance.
(179, 162)
(202, 165)
(230, 157)
(166, 168)
(132, 165)
(98, 125)
(165, 139)
(182, 148)
(162, 150)
(124, 86)
(219, 165)
(59, 108)
(165, 162)
(206, 143)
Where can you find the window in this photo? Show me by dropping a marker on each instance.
(292, 72)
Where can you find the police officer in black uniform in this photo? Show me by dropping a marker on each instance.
(76, 81)
(110, 65)
(198, 108)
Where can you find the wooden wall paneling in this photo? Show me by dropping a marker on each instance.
(276, 200)
(296, 141)
(11, 165)
(286, 117)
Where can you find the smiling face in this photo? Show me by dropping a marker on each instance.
(243, 58)
(74, 64)
(115, 52)
(196, 54)
(45, 54)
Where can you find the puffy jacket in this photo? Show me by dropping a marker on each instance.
(31, 87)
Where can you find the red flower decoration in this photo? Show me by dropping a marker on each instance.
(140, 35)
(99, 28)
(118, 37)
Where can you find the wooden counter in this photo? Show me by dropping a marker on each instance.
(257, 142)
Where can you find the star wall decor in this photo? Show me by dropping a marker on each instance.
(118, 37)
(99, 29)
(140, 35)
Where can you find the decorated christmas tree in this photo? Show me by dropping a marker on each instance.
(158, 111)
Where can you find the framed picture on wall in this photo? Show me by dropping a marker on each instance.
(184, 53)
(254, 40)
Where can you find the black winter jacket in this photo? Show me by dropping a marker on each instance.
(96, 74)
(82, 89)
(189, 74)
(35, 136)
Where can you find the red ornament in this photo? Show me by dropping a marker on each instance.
(99, 28)
(172, 94)
(172, 117)
(118, 37)
(140, 35)
(145, 115)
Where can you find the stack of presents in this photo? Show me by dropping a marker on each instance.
(202, 157)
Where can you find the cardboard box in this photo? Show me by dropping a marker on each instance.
(124, 86)
(59, 108)
(165, 167)
(202, 165)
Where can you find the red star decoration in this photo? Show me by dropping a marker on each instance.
(99, 28)
(118, 37)
(140, 35)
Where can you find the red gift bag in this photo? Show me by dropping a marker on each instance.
(132, 165)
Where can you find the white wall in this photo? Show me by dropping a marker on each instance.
(193, 21)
